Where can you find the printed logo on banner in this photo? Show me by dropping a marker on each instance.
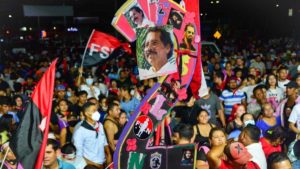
(155, 160)
(143, 127)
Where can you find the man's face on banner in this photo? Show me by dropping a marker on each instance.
(190, 33)
(154, 50)
(136, 17)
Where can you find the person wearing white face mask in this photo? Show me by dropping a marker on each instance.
(90, 88)
(68, 152)
(90, 140)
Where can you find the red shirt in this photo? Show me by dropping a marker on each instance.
(250, 165)
(268, 148)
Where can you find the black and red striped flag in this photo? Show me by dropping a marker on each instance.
(101, 46)
(30, 139)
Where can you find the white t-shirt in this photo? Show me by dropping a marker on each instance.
(295, 116)
(168, 68)
(282, 84)
(95, 93)
(278, 94)
(258, 155)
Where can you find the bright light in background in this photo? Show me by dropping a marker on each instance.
(30, 28)
(10, 16)
(72, 29)
(43, 34)
(217, 2)
(23, 29)
(290, 13)
(1, 40)
(21, 37)
(211, 2)
(277, 5)
(201, 14)
(54, 28)
(7, 32)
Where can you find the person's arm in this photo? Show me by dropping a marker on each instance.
(110, 132)
(294, 128)
(222, 115)
(213, 156)
(202, 165)
(63, 136)
(107, 155)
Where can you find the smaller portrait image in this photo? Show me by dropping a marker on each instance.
(187, 157)
(175, 18)
(188, 38)
(136, 17)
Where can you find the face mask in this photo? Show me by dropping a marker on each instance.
(68, 157)
(89, 81)
(252, 122)
(69, 94)
(96, 116)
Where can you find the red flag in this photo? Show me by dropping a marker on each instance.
(30, 140)
(100, 46)
(194, 6)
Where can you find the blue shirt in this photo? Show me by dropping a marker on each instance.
(64, 165)
(263, 126)
(231, 98)
(130, 106)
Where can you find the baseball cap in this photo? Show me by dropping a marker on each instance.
(238, 153)
(60, 87)
(292, 84)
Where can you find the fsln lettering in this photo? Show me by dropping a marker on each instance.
(104, 51)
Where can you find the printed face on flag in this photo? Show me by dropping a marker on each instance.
(155, 51)
(175, 18)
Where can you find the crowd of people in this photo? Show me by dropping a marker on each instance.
(249, 116)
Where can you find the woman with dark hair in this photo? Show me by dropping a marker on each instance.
(7, 123)
(272, 140)
(274, 92)
(217, 137)
(268, 119)
(202, 128)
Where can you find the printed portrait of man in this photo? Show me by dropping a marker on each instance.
(137, 17)
(189, 35)
(158, 50)
(175, 18)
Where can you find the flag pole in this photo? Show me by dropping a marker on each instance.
(86, 48)
(109, 165)
(5, 156)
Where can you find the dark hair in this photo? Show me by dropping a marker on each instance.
(100, 97)
(213, 130)
(281, 68)
(267, 80)
(164, 37)
(5, 122)
(111, 106)
(274, 133)
(178, 127)
(136, 8)
(276, 157)
(82, 92)
(15, 97)
(186, 131)
(219, 75)
(202, 110)
(86, 106)
(258, 87)
(242, 117)
(91, 98)
(126, 88)
(90, 167)
(54, 143)
(253, 132)
(68, 148)
(188, 25)
(5, 100)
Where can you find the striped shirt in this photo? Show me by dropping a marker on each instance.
(231, 98)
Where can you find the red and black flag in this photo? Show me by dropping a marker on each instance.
(29, 141)
(101, 46)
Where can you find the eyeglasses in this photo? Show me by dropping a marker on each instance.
(190, 32)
